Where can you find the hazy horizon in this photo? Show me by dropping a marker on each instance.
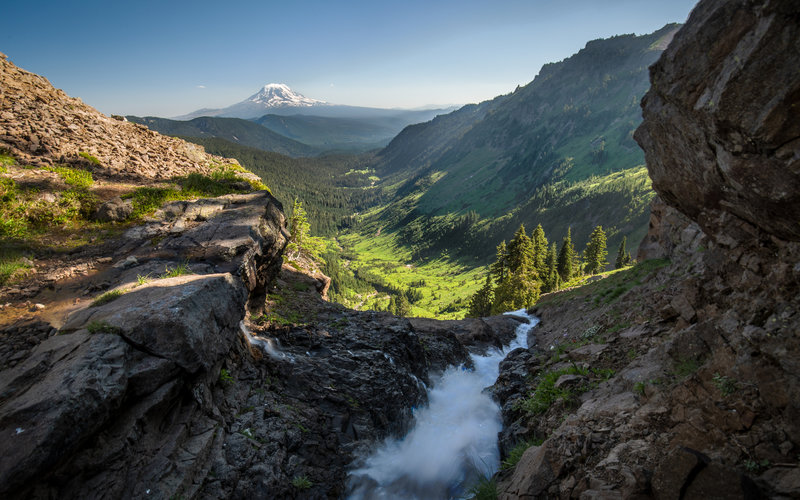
(147, 58)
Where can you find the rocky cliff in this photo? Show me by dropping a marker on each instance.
(685, 374)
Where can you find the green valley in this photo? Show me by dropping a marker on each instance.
(421, 218)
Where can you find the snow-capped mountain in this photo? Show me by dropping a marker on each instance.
(273, 98)
(276, 95)
(279, 99)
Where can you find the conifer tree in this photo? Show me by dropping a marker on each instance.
(566, 258)
(399, 305)
(480, 305)
(520, 250)
(596, 253)
(521, 286)
(299, 226)
(550, 278)
(623, 256)
(499, 269)
(540, 248)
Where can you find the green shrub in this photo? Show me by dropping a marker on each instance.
(225, 376)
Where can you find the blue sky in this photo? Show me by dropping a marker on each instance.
(168, 58)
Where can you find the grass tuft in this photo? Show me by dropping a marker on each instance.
(302, 482)
(107, 297)
(93, 159)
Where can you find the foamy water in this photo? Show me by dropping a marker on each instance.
(453, 441)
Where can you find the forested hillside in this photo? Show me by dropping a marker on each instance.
(236, 130)
(332, 188)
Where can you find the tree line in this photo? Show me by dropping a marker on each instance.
(528, 266)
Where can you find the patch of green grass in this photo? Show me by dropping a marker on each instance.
(75, 177)
(5, 162)
(181, 269)
(724, 384)
(93, 159)
(546, 393)
(141, 280)
(302, 482)
(610, 288)
(107, 297)
(516, 453)
(103, 327)
(484, 489)
(12, 265)
(686, 367)
(147, 200)
(639, 387)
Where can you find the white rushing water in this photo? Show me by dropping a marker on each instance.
(453, 441)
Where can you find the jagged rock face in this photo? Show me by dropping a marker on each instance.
(721, 129)
(702, 403)
(40, 124)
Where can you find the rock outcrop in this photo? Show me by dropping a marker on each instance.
(721, 124)
(703, 347)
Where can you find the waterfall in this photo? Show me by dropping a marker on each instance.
(269, 346)
(453, 441)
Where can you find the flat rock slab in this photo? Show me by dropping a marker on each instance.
(189, 320)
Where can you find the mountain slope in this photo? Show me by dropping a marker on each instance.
(235, 130)
(501, 158)
(354, 134)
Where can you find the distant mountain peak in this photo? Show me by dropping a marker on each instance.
(274, 95)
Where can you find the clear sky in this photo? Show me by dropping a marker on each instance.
(166, 58)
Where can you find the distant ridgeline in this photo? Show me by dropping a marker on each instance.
(558, 151)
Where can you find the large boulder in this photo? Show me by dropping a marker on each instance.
(721, 130)
(189, 320)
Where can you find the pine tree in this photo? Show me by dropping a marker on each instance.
(299, 227)
(399, 305)
(566, 258)
(520, 250)
(623, 256)
(480, 305)
(521, 286)
(540, 247)
(550, 278)
(499, 269)
(517, 291)
(596, 253)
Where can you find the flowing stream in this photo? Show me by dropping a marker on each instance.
(453, 441)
